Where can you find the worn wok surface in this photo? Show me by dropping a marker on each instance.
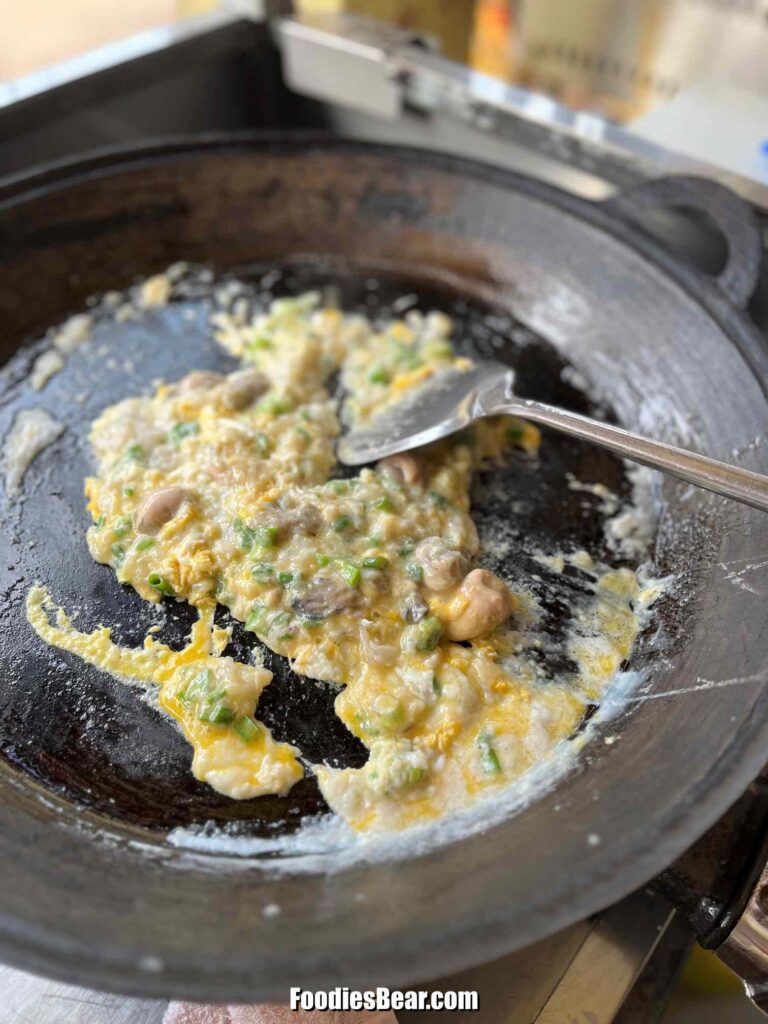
(92, 779)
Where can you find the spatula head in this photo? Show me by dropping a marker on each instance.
(448, 401)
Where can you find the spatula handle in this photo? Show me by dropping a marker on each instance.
(730, 481)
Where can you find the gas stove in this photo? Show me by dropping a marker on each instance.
(221, 73)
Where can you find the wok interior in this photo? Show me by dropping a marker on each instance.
(467, 241)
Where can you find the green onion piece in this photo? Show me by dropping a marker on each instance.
(118, 554)
(144, 543)
(181, 430)
(389, 710)
(383, 504)
(422, 636)
(376, 562)
(280, 624)
(488, 756)
(338, 486)
(218, 714)
(350, 573)
(437, 686)
(415, 774)
(245, 533)
(407, 547)
(414, 572)
(253, 622)
(515, 433)
(366, 726)
(122, 526)
(274, 405)
(323, 560)
(135, 453)
(262, 571)
(263, 443)
(100, 522)
(129, 492)
(374, 541)
(341, 523)
(378, 375)
(438, 500)
(161, 586)
(246, 728)
(259, 345)
(265, 536)
(199, 688)
(284, 578)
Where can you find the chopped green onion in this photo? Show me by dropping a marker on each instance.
(259, 345)
(118, 554)
(219, 714)
(266, 536)
(350, 573)
(181, 430)
(128, 492)
(341, 523)
(383, 504)
(246, 728)
(122, 526)
(338, 486)
(378, 375)
(515, 433)
(437, 686)
(280, 623)
(263, 443)
(100, 522)
(322, 560)
(262, 571)
(161, 586)
(246, 534)
(366, 726)
(374, 540)
(253, 622)
(274, 405)
(284, 578)
(415, 774)
(414, 572)
(389, 710)
(144, 543)
(134, 453)
(375, 562)
(407, 547)
(488, 756)
(422, 636)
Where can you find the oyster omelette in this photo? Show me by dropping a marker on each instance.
(222, 489)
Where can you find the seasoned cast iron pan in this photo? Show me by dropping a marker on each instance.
(92, 779)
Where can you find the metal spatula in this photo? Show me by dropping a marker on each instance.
(452, 399)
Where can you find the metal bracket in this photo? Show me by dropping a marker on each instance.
(347, 59)
(369, 66)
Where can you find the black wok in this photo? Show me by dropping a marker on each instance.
(92, 779)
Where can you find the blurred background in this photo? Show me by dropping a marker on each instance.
(676, 70)
(688, 74)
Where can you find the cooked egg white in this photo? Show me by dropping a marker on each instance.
(222, 490)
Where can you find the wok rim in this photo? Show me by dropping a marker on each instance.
(54, 953)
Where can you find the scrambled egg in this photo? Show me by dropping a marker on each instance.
(220, 489)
